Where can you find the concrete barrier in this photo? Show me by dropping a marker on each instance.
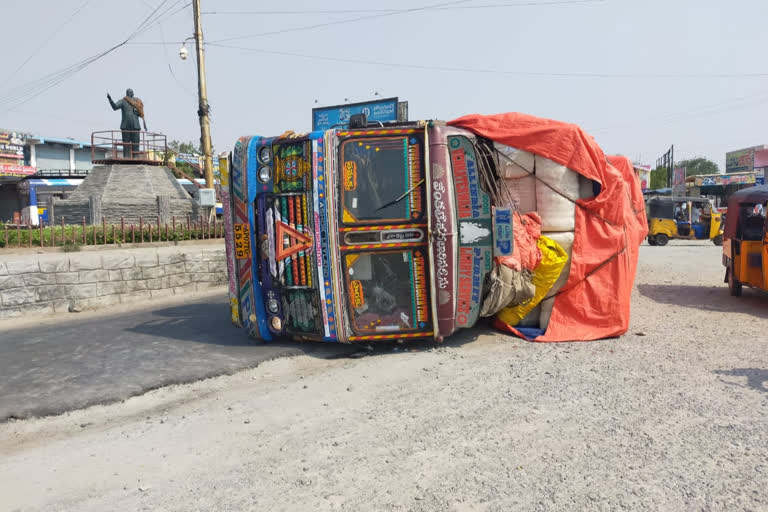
(58, 282)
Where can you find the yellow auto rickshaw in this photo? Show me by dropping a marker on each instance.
(745, 246)
(684, 218)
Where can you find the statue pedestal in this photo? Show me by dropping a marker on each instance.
(128, 192)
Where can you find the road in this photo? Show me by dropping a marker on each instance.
(671, 416)
(70, 363)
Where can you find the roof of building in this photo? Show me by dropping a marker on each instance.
(36, 139)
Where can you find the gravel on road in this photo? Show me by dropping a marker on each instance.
(671, 416)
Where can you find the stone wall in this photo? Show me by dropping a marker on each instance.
(71, 211)
(59, 282)
(163, 207)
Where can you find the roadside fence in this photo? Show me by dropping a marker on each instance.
(72, 235)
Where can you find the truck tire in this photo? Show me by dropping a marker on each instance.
(662, 239)
(718, 240)
(651, 240)
(734, 286)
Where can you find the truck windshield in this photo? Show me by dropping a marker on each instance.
(387, 291)
(382, 179)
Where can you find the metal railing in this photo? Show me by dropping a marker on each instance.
(73, 232)
(122, 146)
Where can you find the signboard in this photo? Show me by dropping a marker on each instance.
(242, 242)
(678, 181)
(11, 145)
(19, 171)
(502, 232)
(722, 180)
(643, 172)
(324, 118)
(742, 160)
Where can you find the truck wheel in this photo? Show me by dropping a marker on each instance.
(662, 239)
(718, 240)
(734, 286)
(651, 240)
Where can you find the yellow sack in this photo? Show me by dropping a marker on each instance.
(553, 260)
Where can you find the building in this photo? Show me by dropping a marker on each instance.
(754, 159)
(743, 168)
(33, 169)
(13, 168)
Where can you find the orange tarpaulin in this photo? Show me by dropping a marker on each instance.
(595, 302)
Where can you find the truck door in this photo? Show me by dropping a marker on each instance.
(383, 235)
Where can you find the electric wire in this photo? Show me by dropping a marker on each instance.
(46, 41)
(491, 71)
(24, 93)
(695, 113)
(361, 11)
(340, 22)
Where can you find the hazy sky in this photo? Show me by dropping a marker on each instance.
(639, 75)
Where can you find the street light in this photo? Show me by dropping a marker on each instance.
(203, 108)
(183, 52)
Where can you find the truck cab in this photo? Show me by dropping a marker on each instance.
(357, 235)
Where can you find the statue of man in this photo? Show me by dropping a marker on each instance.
(132, 109)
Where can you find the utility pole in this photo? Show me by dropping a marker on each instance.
(202, 110)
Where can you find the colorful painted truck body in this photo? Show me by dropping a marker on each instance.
(360, 235)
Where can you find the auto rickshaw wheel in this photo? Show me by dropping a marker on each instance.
(718, 240)
(734, 286)
(651, 240)
(662, 239)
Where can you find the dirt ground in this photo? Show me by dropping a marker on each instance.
(672, 416)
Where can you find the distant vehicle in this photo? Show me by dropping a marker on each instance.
(745, 246)
(682, 218)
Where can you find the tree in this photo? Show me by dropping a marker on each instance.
(188, 147)
(658, 178)
(699, 166)
(175, 148)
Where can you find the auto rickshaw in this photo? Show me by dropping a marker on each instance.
(683, 218)
(745, 246)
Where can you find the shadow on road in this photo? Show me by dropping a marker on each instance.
(192, 322)
(757, 378)
(707, 298)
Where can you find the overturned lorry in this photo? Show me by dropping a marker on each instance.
(415, 230)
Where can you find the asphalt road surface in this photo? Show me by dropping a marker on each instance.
(70, 362)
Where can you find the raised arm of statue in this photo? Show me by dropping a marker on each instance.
(115, 106)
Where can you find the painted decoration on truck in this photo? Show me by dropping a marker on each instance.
(322, 242)
(292, 167)
(253, 187)
(234, 303)
(474, 263)
(240, 211)
(473, 208)
(228, 240)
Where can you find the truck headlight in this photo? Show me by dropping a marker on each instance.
(265, 174)
(265, 155)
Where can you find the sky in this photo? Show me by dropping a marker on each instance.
(638, 75)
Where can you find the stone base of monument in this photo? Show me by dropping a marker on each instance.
(128, 192)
